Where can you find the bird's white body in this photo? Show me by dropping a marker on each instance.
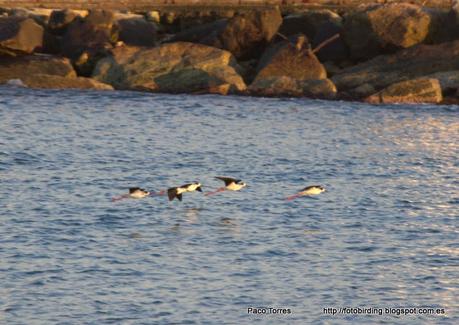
(190, 188)
(307, 191)
(235, 186)
(231, 184)
(312, 190)
(139, 194)
(176, 192)
(134, 193)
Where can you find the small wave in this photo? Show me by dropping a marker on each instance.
(23, 158)
(362, 249)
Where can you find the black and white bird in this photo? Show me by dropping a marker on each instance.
(134, 193)
(176, 192)
(307, 191)
(231, 184)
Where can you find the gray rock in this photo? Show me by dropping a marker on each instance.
(26, 66)
(334, 51)
(283, 59)
(362, 91)
(443, 26)
(40, 15)
(20, 35)
(376, 29)
(245, 35)
(137, 31)
(93, 34)
(449, 80)
(207, 34)
(414, 91)
(61, 19)
(46, 81)
(410, 63)
(173, 68)
(286, 86)
(309, 23)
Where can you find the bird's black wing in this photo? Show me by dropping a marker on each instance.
(179, 196)
(133, 189)
(307, 188)
(172, 193)
(227, 180)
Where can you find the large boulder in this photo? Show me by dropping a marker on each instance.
(27, 66)
(245, 35)
(207, 34)
(334, 51)
(401, 25)
(20, 35)
(449, 80)
(89, 39)
(443, 26)
(136, 30)
(284, 59)
(361, 91)
(93, 34)
(376, 29)
(187, 20)
(40, 15)
(46, 81)
(318, 26)
(414, 91)
(291, 70)
(309, 23)
(61, 19)
(51, 43)
(287, 86)
(173, 68)
(411, 63)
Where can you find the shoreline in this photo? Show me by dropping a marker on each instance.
(231, 96)
(385, 53)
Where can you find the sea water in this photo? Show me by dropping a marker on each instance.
(382, 240)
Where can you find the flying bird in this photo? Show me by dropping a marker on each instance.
(134, 193)
(231, 184)
(176, 192)
(307, 191)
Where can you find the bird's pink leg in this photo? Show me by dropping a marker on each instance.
(121, 197)
(292, 197)
(160, 193)
(221, 189)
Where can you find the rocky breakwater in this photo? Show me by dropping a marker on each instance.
(376, 53)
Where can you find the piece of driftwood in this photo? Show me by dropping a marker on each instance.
(302, 40)
(325, 43)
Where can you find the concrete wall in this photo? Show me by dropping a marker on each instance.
(153, 4)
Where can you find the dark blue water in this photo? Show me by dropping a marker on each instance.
(385, 234)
